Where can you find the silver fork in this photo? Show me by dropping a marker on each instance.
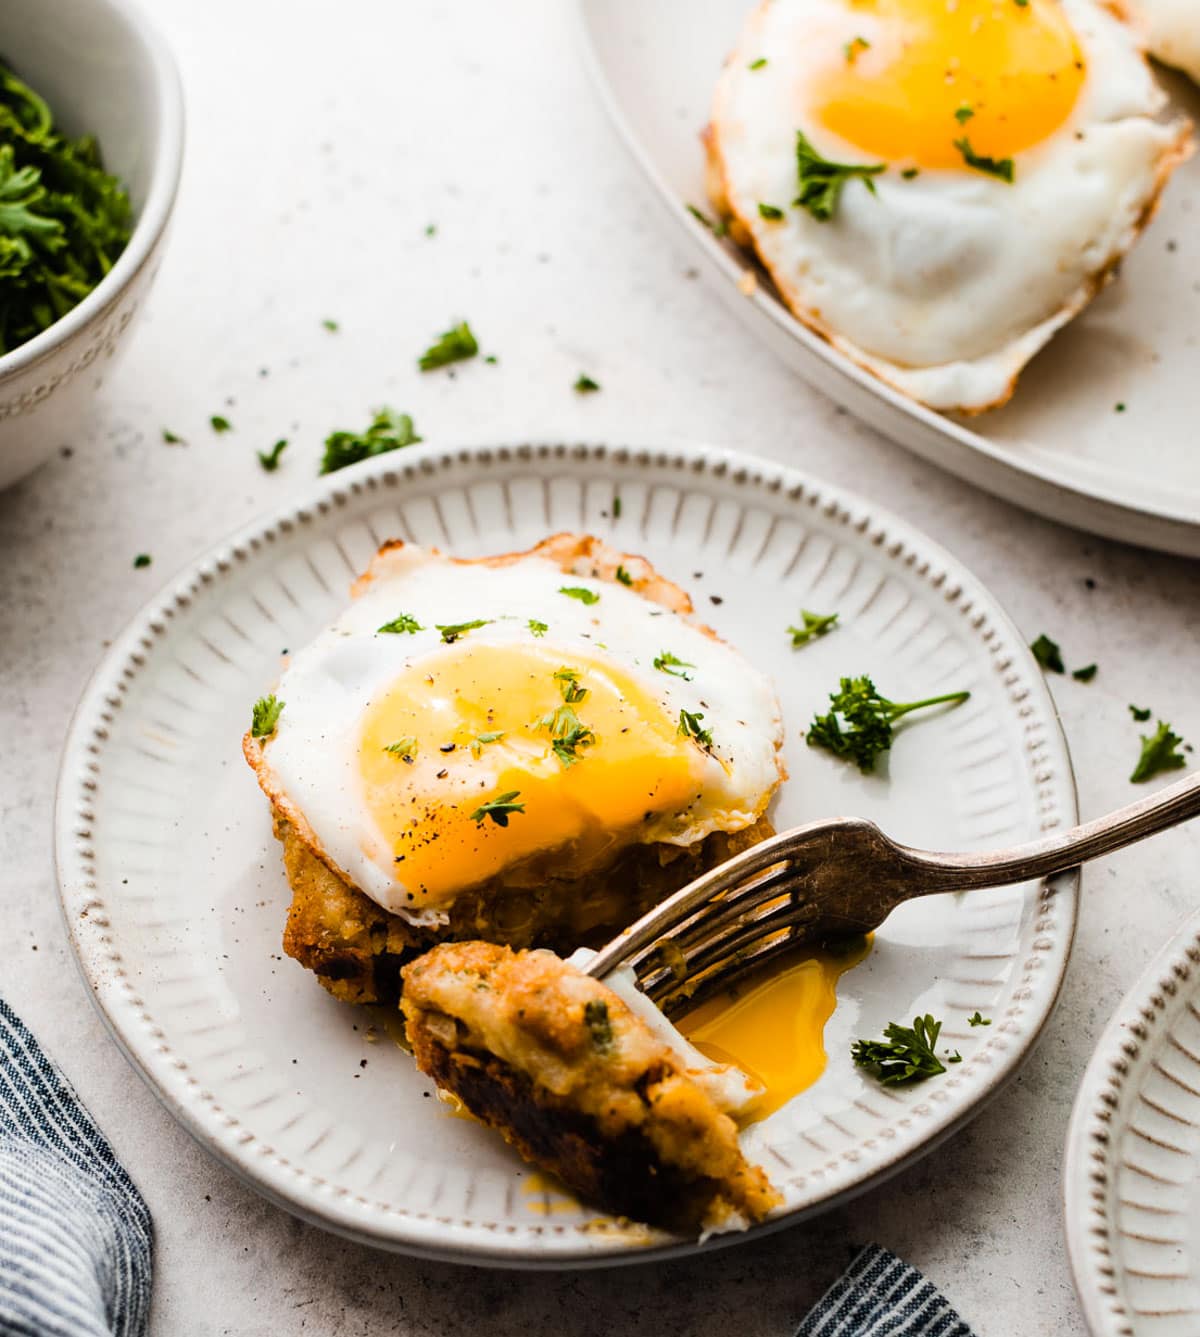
(835, 880)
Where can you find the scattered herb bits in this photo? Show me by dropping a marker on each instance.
(623, 576)
(821, 181)
(1048, 655)
(399, 625)
(771, 212)
(269, 459)
(388, 431)
(537, 628)
(584, 385)
(143, 559)
(453, 631)
(1086, 674)
(812, 625)
(331, 325)
(170, 438)
(905, 1055)
(455, 345)
(220, 424)
(405, 748)
(1000, 167)
(858, 727)
(580, 592)
(1160, 752)
(598, 1023)
(666, 662)
(498, 809)
(978, 1020)
(264, 717)
(690, 726)
(718, 227)
(1140, 713)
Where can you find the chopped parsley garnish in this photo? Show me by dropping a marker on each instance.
(584, 385)
(455, 345)
(1047, 654)
(1086, 674)
(964, 114)
(978, 1020)
(904, 1055)
(141, 560)
(853, 47)
(690, 727)
(538, 628)
(498, 808)
(479, 743)
(596, 1019)
(1140, 713)
(1160, 752)
(568, 684)
(568, 733)
(171, 438)
(859, 725)
(331, 325)
(431, 229)
(666, 662)
(623, 576)
(220, 424)
(580, 592)
(1001, 167)
(757, 64)
(616, 506)
(405, 748)
(719, 228)
(814, 625)
(821, 181)
(453, 630)
(265, 716)
(910, 172)
(269, 459)
(1118, 408)
(405, 622)
(64, 220)
(772, 212)
(388, 431)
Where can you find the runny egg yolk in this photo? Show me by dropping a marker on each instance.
(913, 76)
(476, 723)
(774, 1029)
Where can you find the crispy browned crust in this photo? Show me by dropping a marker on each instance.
(630, 1132)
(355, 947)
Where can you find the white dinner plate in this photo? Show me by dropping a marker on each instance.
(1132, 1172)
(175, 896)
(1060, 447)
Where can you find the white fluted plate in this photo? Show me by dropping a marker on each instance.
(175, 896)
(1132, 1172)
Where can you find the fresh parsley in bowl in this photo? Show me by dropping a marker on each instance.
(91, 141)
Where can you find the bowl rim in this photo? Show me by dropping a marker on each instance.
(165, 171)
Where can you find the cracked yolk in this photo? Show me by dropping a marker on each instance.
(773, 1028)
(480, 758)
(913, 76)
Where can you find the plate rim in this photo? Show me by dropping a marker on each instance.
(1135, 1026)
(143, 1043)
(921, 430)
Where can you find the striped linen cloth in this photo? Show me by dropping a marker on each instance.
(880, 1295)
(75, 1235)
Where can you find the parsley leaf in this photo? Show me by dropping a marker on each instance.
(453, 630)
(1048, 655)
(1087, 673)
(1160, 752)
(331, 325)
(388, 431)
(498, 808)
(171, 438)
(616, 506)
(269, 459)
(405, 622)
(772, 212)
(859, 725)
(64, 220)
(964, 114)
(719, 228)
(585, 385)
(478, 743)
(568, 733)
(455, 345)
(910, 172)
(141, 560)
(220, 424)
(821, 181)
(1001, 167)
(904, 1055)
(814, 625)
(623, 576)
(853, 47)
(978, 1020)
(690, 727)
(538, 628)
(1140, 713)
(568, 684)
(757, 64)
(405, 748)
(580, 592)
(598, 1023)
(666, 662)
(265, 716)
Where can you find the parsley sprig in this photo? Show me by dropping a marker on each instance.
(905, 1055)
(690, 727)
(388, 431)
(498, 808)
(265, 716)
(1160, 752)
(821, 181)
(404, 623)
(666, 662)
(859, 724)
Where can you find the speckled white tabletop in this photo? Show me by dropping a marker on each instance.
(322, 143)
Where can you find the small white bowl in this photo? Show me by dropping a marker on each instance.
(104, 71)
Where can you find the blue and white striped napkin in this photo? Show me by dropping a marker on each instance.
(76, 1241)
(75, 1235)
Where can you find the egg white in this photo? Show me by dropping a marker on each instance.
(1172, 29)
(945, 285)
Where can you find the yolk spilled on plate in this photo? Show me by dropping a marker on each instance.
(774, 1027)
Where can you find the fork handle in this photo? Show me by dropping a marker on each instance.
(1057, 853)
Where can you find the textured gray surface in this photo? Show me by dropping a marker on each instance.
(319, 153)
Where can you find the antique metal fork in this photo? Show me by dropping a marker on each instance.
(836, 880)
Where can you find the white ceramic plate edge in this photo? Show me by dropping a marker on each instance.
(123, 1010)
(1033, 485)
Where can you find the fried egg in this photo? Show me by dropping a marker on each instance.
(463, 721)
(1172, 29)
(937, 186)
